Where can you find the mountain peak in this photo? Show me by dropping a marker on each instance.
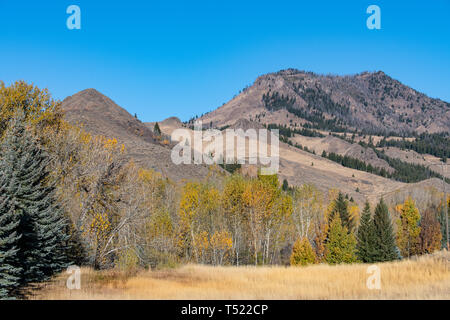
(372, 101)
(102, 116)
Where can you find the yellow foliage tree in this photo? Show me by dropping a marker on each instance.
(38, 106)
(221, 245)
(408, 229)
(302, 253)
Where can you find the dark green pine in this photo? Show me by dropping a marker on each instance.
(10, 215)
(341, 207)
(443, 223)
(10, 270)
(42, 224)
(365, 236)
(385, 248)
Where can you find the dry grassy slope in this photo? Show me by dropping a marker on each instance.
(299, 167)
(99, 115)
(411, 156)
(375, 101)
(344, 148)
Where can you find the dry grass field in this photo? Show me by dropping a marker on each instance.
(423, 278)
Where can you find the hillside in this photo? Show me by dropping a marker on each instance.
(100, 115)
(368, 102)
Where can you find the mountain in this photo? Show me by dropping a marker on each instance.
(99, 115)
(343, 115)
(371, 103)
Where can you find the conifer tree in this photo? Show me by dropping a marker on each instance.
(156, 129)
(341, 245)
(365, 236)
(29, 193)
(385, 248)
(9, 264)
(443, 220)
(285, 185)
(340, 207)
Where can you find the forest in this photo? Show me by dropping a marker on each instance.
(70, 198)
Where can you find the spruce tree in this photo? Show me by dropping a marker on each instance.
(385, 248)
(29, 193)
(365, 236)
(156, 129)
(443, 222)
(9, 264)
(340, 207)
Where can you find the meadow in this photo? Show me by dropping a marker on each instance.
(425, 277)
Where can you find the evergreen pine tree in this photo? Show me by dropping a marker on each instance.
(285, 186)
(29, 192)
(365, 236)
(156, 129)
(9, 264)
(442, 221)
(340, 208)
(385, 248)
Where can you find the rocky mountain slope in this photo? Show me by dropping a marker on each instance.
(370, 102)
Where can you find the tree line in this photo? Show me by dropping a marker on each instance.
(436, 144)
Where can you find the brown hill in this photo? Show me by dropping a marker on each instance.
(100, 115)
(371, 101)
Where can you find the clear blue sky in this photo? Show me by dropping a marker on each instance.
(180, 58)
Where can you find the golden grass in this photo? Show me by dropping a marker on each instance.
(423, 278)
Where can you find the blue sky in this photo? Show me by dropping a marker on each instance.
(180, 58)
